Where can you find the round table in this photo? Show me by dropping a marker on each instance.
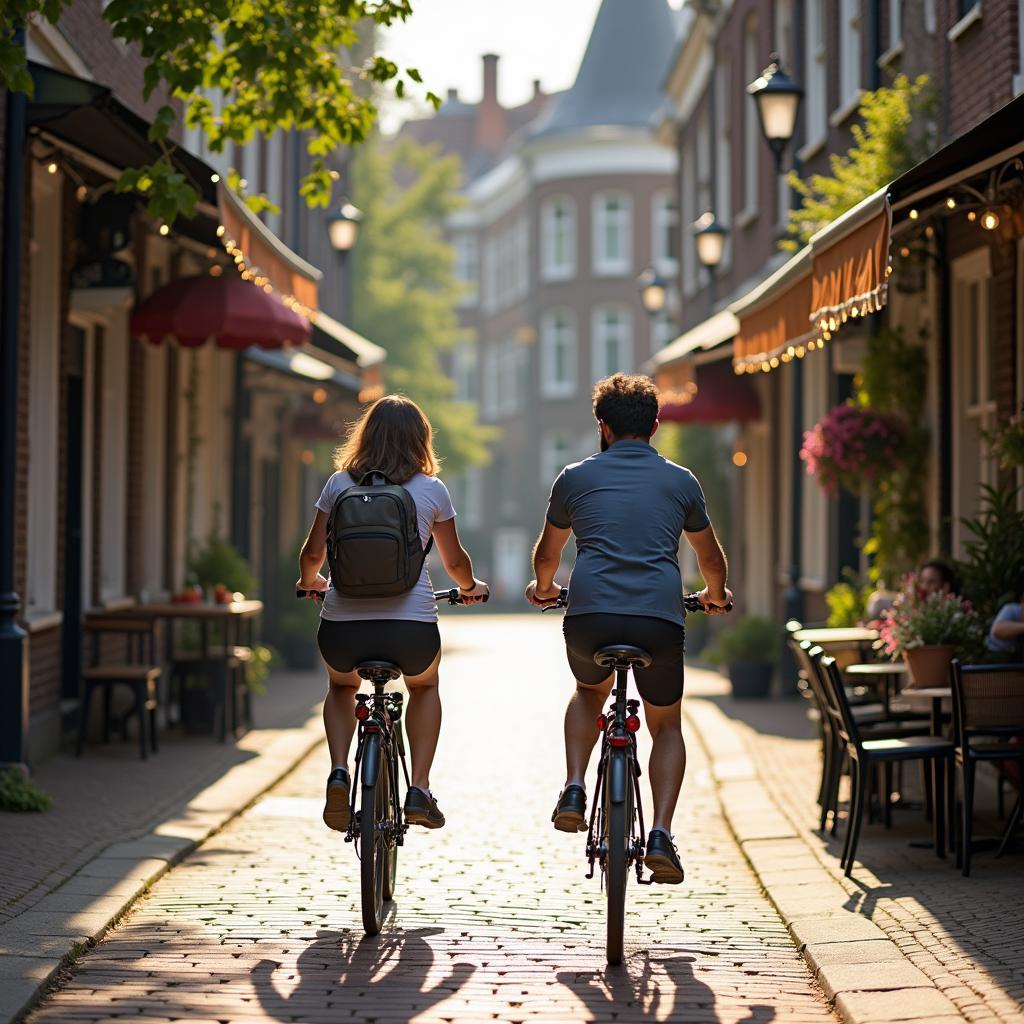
(885, 672)
(935, 694)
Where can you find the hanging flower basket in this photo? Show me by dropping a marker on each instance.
(851, 446)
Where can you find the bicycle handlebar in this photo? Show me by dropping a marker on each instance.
(454, 596)
(691, 602)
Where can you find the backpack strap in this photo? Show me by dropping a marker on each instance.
(429, 547)
(370, 474)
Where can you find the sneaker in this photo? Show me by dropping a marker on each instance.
(662, 859)
(337, 810)
(421, 809)
(570, 812)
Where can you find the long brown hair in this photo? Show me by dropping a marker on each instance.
(392, 436)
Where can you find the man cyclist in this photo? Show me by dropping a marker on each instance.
(627, 507)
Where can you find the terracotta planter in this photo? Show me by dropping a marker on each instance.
(929, 666)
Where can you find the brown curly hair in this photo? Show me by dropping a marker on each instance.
(627, 403)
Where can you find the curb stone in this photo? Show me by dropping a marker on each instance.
(859, 968)
(37, 944)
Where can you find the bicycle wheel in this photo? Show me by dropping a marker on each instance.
(618, 821)
(391, 847)
(373, 847)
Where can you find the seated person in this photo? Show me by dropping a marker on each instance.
(1007, 634)
(937, 577)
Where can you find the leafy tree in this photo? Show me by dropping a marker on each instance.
(883, 148)
(404, 286)
(277, 64)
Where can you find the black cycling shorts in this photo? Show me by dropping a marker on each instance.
(412, 646)
(661, 684)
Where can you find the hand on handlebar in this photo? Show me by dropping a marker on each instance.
(716, 605)
(543, 598)
(314, 591)
(477, 594)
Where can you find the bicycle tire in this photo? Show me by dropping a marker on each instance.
(372, 848)
(391, 848)
(618, 819)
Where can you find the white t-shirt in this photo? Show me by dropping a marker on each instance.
(433, 505)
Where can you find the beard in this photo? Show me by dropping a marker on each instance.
(604, 444)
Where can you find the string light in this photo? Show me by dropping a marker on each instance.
(52, 167)
(164, 230)
(990, 220)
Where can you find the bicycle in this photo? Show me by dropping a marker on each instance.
(377, 827)
(616, 834)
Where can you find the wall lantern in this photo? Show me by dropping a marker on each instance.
(653, 291)
(710, 237)
(777, 98)
(343, 227)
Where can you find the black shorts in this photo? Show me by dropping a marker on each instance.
(661, 684)
(412, 646)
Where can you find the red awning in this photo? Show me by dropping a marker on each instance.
(722, 397)
(230, 312)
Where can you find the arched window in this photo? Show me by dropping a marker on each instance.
(613, 234)
(558, 354)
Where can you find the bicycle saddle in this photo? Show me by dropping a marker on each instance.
(374, 669)
(622, 654)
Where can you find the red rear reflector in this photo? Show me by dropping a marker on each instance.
(362, 712)
(619, 741)
(602, 723)
(633, 723)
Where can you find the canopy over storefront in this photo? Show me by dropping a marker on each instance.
(719, 397)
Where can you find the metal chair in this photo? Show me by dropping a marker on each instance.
(988, 716)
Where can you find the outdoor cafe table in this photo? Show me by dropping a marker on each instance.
(843, 635)
(232, 616)
(936, 695)
(886, 673)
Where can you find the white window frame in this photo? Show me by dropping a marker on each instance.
(688, 249)
(603, 264)
(971, 464)
(599, 364)
(467, 268)
(816, 92)
(44, 397)
(752, 141)
(511, 551)
(664, 228)
(895, 47)
(468, 497)
(555, 454)
(558, 232)
(558, 329)
(851, 72)
(723, 156)
(465, 370)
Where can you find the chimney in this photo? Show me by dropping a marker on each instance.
(490, 114)
(537, 91)
(453, 95)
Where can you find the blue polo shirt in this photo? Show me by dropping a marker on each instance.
(627, 508)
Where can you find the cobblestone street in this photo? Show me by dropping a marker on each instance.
(493, 919)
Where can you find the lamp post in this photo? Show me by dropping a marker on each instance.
(777, 98)
(343, 232)
(709, 236)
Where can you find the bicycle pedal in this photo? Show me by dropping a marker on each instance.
(645, 881)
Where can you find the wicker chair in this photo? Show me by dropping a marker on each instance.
(988, 716)
(866, 753)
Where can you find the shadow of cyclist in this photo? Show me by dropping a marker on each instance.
(345, 971)
(653, 988)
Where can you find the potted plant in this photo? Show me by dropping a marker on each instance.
(749, 651)
(928, 631)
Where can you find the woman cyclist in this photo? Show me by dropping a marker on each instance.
(395, 438)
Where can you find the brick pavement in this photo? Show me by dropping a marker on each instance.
(965, 935)
(493, 919)
(108, 795)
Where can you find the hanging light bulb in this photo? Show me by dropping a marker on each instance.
(951, 203)
(990, 220)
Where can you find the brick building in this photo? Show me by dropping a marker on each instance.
(128, 454)
(968, 301)
(569, 198)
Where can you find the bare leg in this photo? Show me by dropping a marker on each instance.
(581, 728)
(668, 760)
(423, 722)
(340, 715)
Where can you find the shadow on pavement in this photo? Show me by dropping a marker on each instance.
(342, 971)
(654, 988)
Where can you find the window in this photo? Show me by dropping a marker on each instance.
(752, 67)
(612, 341)
(613, 234)
(467, 269)
(784, 33)
(664, 232)
(490, 276)
(688, 249)
(723, 156)
(817, 78)
(895, 24)
(849, 53)
(491, 383)
(464, 370)
(558, 354)
(663, 330)
(511, 561)
(558, 239)
(273, 183)
(555, 455)
(974, 392)
(467, 494)
(44, 393)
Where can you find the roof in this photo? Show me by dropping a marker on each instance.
(354, 346)
(619, 81)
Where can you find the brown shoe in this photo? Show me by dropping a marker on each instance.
(421, 809)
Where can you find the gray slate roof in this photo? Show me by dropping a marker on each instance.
(620, 79)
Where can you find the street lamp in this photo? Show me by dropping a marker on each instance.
(778, 100)
(710, 237)
(653, 291)
(343, 227)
